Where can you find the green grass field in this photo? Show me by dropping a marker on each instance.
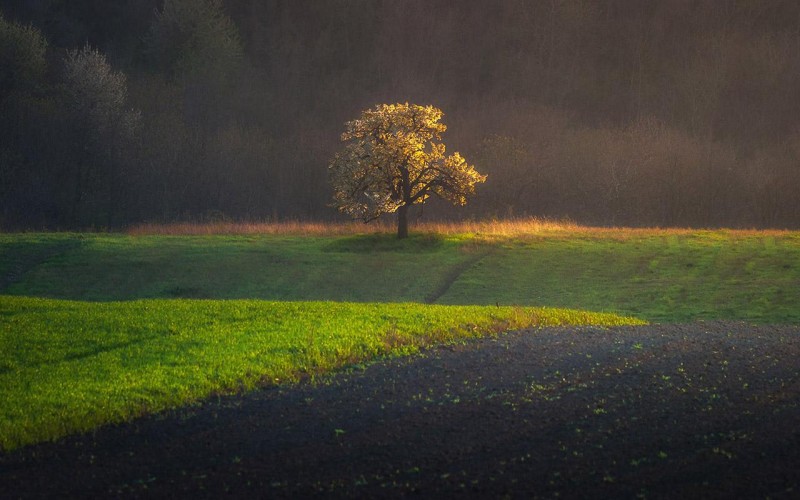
(68, 366)
(98, 328)
(663, 276)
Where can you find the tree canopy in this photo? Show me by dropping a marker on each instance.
(194, 38)
(394, 158)
(22, 57)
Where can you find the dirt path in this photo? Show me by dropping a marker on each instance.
(701, 410)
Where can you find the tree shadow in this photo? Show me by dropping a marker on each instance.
(386, 242)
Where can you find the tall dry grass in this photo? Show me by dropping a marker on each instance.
(508, 227)
(244, 228)
(489, 228)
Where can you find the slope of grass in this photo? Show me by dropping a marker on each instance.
(372, 268)
(661, 275)
(69, 366)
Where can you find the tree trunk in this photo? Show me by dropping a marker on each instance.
(402, 222)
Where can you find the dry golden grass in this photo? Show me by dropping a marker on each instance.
(244, 228)
(489, 228)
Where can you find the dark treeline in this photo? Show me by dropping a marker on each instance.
(623, 112)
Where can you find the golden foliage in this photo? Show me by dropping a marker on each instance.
(394, 157)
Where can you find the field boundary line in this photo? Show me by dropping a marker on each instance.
(453, 274)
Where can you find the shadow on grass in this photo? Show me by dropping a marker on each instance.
(18, 258)
(386, 242)
(186, 292)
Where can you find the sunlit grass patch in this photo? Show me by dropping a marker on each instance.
(515, 227)
(68, 366)
(492, 227)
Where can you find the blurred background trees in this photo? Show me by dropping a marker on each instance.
(616, 112)
(96, 131)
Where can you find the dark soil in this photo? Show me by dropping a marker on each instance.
(699, 410)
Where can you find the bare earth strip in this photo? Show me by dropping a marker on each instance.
(698, 410)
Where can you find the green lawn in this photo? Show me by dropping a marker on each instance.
(663, 276)
(98, 328)
(68, 366)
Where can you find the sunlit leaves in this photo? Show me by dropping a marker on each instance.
(393, 157)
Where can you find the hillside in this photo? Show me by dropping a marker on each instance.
(659, 275)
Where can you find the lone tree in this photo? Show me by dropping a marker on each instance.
(394, 158)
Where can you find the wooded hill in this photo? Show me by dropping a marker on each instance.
(623, 112)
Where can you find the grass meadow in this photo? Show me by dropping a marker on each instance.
(657, 275)
(99, 328)
(69, 366)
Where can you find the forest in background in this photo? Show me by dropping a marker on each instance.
(617, 112)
